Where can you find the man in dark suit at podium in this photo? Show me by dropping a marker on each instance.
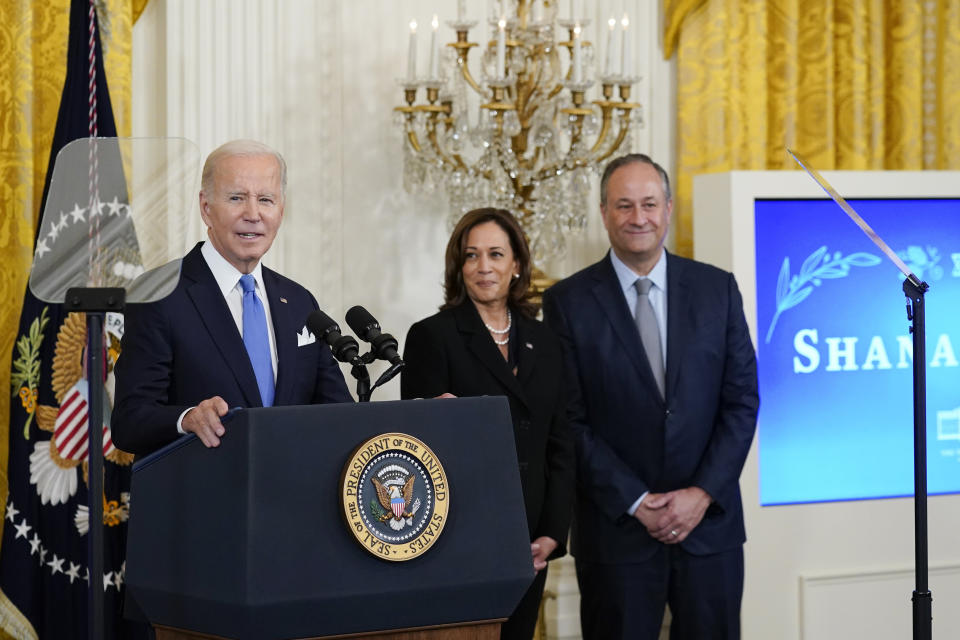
(232, 334)
(663, 406)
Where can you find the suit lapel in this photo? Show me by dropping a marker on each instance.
(479, 343)
(285, 325)
(215, 316)
(528, 335)
(678, 325)
(609, 296)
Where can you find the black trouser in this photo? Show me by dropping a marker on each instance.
(523, 622)
(628, 600)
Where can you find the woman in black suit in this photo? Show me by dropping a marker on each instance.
(486, 341)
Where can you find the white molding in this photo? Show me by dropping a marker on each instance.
(873, 603)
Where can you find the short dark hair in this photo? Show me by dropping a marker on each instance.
(454, 290)
(632, 158)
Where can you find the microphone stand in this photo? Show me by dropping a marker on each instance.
(388, 375)
(359, 371)
(922, 598)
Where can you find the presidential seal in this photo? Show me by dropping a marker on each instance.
(395, 496)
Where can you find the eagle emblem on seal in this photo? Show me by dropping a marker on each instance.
(394, 494)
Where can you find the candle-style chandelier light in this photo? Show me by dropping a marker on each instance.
(536, 139)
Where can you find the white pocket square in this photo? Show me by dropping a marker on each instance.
(305, 337)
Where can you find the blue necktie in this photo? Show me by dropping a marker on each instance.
(256, 339)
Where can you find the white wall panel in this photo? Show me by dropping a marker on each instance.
(873, 604)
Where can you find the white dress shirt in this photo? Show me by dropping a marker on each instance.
(657, 293)
(228, 280)
(658, 300)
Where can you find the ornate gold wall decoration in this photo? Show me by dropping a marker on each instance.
(849, 84)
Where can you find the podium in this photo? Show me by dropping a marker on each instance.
(250, 540)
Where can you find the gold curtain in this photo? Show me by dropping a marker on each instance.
(849, 84)
(33, 56)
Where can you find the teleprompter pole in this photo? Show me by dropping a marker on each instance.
(95, 469)
(922, 598)
(914, 289)
(95, 302)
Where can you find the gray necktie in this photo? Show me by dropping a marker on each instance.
(646, 321)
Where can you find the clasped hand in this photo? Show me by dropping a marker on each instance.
(670, 517)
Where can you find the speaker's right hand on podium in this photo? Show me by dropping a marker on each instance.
(204, 421)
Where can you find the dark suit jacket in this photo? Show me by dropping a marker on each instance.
(186, 348)
(453, 352)
(630, 440)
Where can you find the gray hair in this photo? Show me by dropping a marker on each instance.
(632, 158)
(240, 148)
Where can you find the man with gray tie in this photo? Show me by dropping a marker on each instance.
(663, 404)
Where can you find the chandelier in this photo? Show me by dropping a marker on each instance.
(536, 139)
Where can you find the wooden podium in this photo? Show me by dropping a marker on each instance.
(467, 631)
(250, 541)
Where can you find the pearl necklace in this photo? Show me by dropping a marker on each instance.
(501, 332)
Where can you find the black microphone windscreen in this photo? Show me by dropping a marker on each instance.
(360, 321)
(320, 324)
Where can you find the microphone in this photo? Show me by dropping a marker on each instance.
(344, 348)
(366, 326)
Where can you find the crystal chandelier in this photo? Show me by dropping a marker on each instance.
(536, 139)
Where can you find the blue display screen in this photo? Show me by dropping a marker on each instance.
(835, 349)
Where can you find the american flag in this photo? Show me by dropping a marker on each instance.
(70, 429)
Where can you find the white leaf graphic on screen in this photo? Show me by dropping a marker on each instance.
(925, 264)
(819, 266)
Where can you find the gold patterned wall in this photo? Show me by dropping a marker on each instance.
(850, 84)
(33, 51)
